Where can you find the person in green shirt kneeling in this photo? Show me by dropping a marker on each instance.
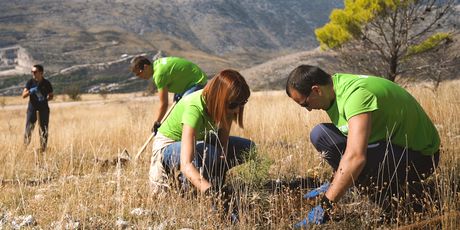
(380, 140)
(195, 137)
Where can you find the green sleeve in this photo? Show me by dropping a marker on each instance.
(360, 101)
(192, 117)
(159, 79)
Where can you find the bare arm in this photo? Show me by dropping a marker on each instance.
(163, 96)
(354, 158)
(186, 159)
(25, 93)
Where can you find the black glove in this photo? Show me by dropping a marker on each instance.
(155, 127)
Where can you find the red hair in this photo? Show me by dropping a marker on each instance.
(224, 88)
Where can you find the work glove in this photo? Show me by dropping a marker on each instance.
(155, 127)
(33, 90)
(317, 191)
(317, 215)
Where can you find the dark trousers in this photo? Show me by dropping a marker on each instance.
(44, 114)
(390, 170)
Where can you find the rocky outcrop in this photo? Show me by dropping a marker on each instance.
(273, 73)
(15, 60)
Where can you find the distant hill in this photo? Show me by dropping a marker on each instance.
(272, 74)
(215, 34)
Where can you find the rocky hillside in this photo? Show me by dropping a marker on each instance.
(273, 74)
(213, 33)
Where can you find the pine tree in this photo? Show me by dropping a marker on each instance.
(388, 37)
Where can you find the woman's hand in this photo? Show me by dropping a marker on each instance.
(187, 155)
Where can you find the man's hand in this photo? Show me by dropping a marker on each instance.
(155, 127)
(317, 191)
(33, 90)
(317, 215)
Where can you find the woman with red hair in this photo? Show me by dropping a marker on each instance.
(195, 137)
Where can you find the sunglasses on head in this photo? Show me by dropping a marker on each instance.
(233, 105)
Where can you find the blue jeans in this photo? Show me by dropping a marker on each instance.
(207, 159)
(178, 96)
(388, 166)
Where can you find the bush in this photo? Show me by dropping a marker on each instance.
(255, 170)
(73, 92)
(103, 92)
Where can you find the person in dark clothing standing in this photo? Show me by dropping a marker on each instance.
(39, 91)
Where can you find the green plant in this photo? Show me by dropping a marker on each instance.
(103, 92)
(385, 38)
(255, 170)
(73, 92)
(430, 43)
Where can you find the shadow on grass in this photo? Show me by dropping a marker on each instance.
(276, 186)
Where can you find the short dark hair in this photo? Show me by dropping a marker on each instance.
(138, 63)
(39, 68)
(304, 77)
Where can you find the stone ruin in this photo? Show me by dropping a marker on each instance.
(15, 60)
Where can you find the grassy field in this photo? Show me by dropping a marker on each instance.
(66, 188)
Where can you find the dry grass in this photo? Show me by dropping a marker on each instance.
(65, 188)
(18, 100)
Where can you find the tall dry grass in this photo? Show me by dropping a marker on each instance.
(67, 188)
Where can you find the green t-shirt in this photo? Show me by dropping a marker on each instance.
(396, 115)
(177, 74)
(189, 110)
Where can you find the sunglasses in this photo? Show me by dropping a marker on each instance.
(233, 105)
(305, 103)
(138, 72)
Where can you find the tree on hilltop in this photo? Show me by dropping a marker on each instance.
(391, 37)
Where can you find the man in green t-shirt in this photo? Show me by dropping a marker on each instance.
(170, 74)
(380, 138)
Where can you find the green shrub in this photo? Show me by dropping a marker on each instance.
(73, 92)
(255, 170)
(430, 43)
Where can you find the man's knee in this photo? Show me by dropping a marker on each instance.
(241, 146)
(249, 145)
(317, 135)
(31, 120)
(326, 136)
